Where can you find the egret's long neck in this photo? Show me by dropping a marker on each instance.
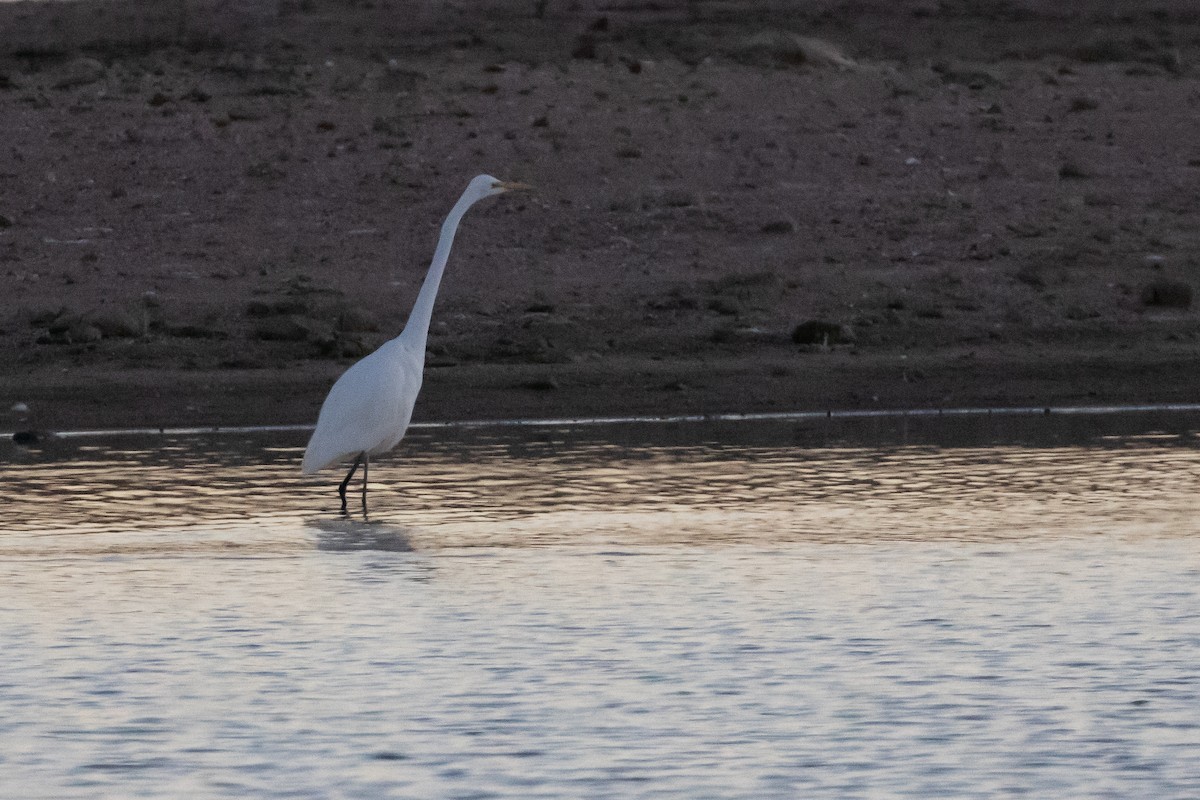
(416, 331)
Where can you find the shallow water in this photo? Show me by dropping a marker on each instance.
(890, 608)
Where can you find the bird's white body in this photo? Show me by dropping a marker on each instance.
(368, 409)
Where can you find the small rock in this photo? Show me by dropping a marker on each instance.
(245, 112)
(79, 72)
(675, 300)
(1104, 49)
(1025, 229)
(276, 308)
(676, 198)
(994, 167)
(1081, 312)
(1167, 294)
(302, 285)
(724, 305)
(320, 331)
(585, 48)
(357, 319)
(816, 331)
(745, 284)
(1072, 171)
(779, 226)
(1032, 275)
(723, 334)
(971, 76)
(242, 362)
(83, 332)
(282, 329)
(264, 169)
(540, 385)
(258, 308)
(785, 47)
(191, 330)
(62, 322)
(338, 344)
(119, 325)
(45, 317)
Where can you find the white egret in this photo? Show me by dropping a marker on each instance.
(369, 407)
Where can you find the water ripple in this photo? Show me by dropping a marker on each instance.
(189, 494)
(747, 611)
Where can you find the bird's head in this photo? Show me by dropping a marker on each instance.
(486, 186)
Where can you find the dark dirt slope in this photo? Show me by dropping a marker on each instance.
(980, 202)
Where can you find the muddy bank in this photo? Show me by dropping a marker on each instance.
(740, 207)
(91, 398)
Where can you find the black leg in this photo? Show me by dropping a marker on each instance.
(366, 460)
(346, 482)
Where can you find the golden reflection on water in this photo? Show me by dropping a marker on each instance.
(244, 495)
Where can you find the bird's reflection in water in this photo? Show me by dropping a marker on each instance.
(347, 534)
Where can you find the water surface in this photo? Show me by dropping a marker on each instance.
(981, 608)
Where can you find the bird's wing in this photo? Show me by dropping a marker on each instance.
(367, 408)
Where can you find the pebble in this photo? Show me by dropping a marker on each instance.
(79, 72)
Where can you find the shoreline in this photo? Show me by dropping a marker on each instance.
(815, 383)
(589, 422)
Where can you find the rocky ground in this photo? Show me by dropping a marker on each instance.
(740, 206)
